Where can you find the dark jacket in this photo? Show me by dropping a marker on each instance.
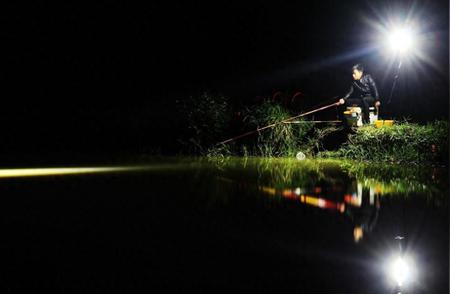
(363, 88)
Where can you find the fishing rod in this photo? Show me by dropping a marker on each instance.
(280, 122)
(312, 121)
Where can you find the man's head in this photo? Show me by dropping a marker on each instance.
(357, 71)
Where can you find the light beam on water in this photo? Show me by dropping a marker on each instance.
(59, 171)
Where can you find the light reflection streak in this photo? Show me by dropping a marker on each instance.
(59, 171)
(307, 199)
(360, 205)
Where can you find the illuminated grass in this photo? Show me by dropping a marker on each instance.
(402, 143)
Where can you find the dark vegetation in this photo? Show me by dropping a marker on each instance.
(210, 119)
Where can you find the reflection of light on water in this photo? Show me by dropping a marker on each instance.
(269, 190)
(353, 199)
(34, 172)
(364, 214)
(322, 203)
(401, 270)
(307, 199)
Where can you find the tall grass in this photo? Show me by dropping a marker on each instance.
(283, 139)
(280, 140)
(404, 142)
(208, 120)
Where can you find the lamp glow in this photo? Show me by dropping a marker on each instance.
(401, 270)
(401, 40)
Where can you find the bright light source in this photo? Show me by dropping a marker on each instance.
(401, 270)
(401, 40)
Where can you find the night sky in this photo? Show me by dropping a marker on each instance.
(104, 76)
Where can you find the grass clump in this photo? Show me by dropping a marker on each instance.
(283, 139)
(280, 140)
(403, 142)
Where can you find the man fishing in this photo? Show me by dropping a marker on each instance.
(363, 92)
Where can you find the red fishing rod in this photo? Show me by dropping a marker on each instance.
(280, 122)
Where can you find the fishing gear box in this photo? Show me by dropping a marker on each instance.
(353, 115)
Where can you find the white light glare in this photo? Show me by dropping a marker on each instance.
(400, 270)
(401, 40)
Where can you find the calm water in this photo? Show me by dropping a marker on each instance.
(260, 225)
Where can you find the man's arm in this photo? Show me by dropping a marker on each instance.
(343, 99)
(348, 93)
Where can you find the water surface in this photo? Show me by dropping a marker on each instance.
(211, 224)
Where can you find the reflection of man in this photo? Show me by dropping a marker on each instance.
(363, 92)
(365, 216)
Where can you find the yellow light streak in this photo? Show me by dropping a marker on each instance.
(59, 171)
(269, 190)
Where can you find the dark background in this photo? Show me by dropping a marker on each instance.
(102, 78)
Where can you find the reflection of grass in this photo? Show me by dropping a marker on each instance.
(281, 172)
(287, 173)
(391, 178)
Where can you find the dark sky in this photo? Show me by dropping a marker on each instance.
(74, 68)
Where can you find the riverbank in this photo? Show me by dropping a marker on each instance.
(403, 142)
(210, 119)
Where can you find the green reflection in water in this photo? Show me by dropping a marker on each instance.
(351, 189)
(385, 178)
